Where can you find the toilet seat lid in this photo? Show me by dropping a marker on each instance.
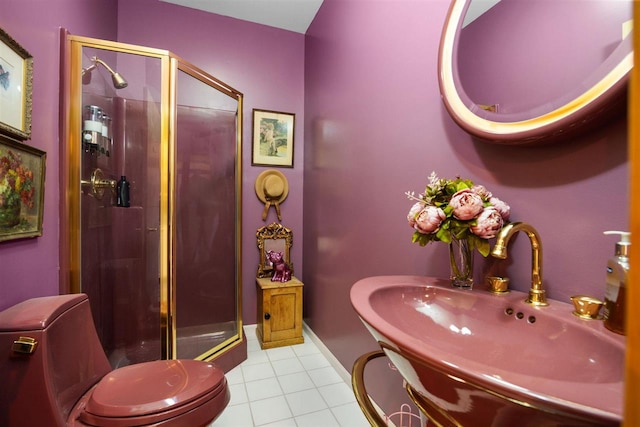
(152, 387)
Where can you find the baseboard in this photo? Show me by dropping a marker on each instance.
(335, 363)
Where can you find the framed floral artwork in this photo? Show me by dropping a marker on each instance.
(22, 171)
(16, 81)
(272, 138)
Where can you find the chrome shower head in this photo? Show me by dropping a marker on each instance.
(118, 81)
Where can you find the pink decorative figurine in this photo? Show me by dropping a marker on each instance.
(281, 271)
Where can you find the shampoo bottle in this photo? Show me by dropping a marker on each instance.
(122, 193)
(616, 289)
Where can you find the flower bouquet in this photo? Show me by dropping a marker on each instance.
(457, 212)
(16, 188)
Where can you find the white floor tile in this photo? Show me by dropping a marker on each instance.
(287, 366)
(337, 394)
(263, 389)
(270, 410)
(238, 394)
(323, 418)
(289, 422)
(293, 386)
(255, 357)
(234, 416)
(259, 371)
(253, 346)
(280, 353)
(306, 401)
(234, 376)
(295, 382)
(350, 415)
(324, 376)
(314, 361)
(308, 347)
(250, 332)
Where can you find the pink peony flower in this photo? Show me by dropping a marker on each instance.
(429, 219)
(481, 191)
(488, 223)
(413, 213)
(466, 204)
(501, 207)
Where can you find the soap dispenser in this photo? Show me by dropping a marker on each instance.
(616, 289)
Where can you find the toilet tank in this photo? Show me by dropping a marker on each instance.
(41, 388)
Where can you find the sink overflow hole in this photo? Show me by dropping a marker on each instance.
(519, 315)
(509, 311)
(532, 319)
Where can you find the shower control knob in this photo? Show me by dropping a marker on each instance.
(267, 316)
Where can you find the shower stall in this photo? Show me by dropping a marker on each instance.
(151, 169)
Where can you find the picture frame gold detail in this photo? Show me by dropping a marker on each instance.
(273, 142)
(273, 237)
(16, 88)
(22, 176)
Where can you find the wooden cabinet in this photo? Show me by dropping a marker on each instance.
(279, 312)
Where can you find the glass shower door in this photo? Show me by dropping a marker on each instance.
(206, 304)
(121, 138)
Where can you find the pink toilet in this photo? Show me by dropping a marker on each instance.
(53, 372)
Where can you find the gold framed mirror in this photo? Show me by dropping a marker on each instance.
(273, 237)
(495, 88)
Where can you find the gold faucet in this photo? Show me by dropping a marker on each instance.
(536, 293)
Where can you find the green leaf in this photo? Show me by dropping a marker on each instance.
(421, 239)
(483, 246)
(444, 235)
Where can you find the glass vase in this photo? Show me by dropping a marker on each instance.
(461, 259)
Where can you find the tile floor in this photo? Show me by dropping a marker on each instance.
(294, 386)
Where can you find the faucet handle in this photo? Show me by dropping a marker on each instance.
(586, 307)
(498, 284)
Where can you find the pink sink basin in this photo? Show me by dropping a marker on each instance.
(492, 360)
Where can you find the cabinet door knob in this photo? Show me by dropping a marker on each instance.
(267, 316)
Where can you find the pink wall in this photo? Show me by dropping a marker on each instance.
(30, 266)
(376, 127)
(266, 65)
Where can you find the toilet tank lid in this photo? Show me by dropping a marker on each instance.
(37, 313)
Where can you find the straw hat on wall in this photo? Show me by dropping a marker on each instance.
(272, 187)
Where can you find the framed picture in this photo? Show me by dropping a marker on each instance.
(16, 81)
(22, 171)
(273, 237)
(272, 138)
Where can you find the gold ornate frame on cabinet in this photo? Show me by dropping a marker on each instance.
(273, 237)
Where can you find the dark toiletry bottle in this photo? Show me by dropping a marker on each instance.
(122, 191)
(615, 297)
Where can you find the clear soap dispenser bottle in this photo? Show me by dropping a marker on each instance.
(615, 294)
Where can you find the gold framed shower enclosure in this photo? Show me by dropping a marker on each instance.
(173, 256)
